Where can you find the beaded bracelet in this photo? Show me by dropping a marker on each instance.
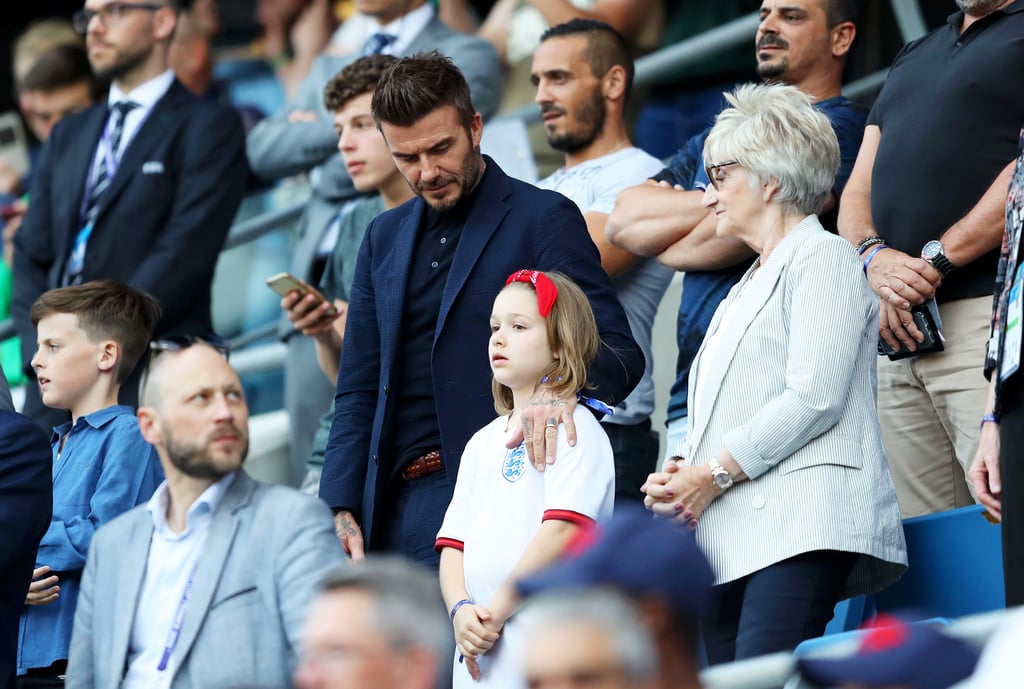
(455, 608)
(871, 255)
(867, 243)
(989, 418)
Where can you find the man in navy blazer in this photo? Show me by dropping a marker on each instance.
(160, 218)
(415, 382)
(26, 500)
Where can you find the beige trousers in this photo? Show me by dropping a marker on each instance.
(929, 408)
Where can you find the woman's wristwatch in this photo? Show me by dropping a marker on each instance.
(721, 476)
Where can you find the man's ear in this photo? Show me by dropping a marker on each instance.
(149, 425)
(842, 36)
(165, 20)
(110, 356)
(613, 83)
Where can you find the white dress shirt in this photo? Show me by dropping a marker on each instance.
(405, 29)
(172, 560)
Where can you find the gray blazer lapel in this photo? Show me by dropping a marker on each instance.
(754, 299)
(129, 585)
(219, 539)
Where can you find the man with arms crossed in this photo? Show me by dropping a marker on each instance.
(799, 42)
(583, 73)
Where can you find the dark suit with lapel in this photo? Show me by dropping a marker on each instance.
(161, 223)
(266, 549)
(279, 148)
(26, 500)
(512, 225)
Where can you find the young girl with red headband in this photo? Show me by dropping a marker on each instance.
(507, 519)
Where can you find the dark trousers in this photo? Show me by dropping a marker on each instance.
(1011, 472)
(417, 508)
(636, 456)
(51, 677)
(775, 608)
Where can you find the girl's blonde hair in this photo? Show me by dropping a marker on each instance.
(572, 334)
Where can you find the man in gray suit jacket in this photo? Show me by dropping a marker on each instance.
(301, 138)
(206, 585)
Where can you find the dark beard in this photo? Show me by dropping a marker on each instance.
(121, 67)
(472, 171)
(192, 459)
(772, 71)
(978, 8)
(591, 118)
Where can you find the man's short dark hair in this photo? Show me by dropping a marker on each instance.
(413, 87)
(59, 67)
(605, 46)
(840, 11)
(106, 310)
(358, 78)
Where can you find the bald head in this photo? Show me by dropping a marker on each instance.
(193, 411)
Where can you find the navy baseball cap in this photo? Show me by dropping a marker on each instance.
(893, 652)
(636, 555)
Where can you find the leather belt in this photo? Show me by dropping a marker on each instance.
(426, 465)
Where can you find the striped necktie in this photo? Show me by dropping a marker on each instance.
(376, 43)
(108, 155)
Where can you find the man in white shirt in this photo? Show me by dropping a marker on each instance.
(206, 585)
(141, 187)
(583, 73)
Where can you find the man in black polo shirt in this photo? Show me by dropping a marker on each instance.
(415, 381)
(925, 205)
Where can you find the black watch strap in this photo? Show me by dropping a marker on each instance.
(943, 265)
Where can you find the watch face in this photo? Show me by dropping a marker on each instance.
(931, 250)
(722, 480)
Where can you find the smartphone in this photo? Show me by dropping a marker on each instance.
(13, 144)
(285, 283)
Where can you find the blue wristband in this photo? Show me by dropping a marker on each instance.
(871, 255)
(455, 608)
(989, 418)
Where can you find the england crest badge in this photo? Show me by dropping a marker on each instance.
(515, 463)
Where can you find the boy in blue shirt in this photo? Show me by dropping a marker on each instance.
(89, 339)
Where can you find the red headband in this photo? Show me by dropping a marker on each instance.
(546, 290)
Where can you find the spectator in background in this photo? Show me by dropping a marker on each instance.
(377, 626)
(25, 504)
(39, 38)
(239, 559)
(589, 638)
(347, 96)
(584, 74)
(659, 567)
(142, 188)
(894, 654)
(783, 382)
(683, 105)
(90, 338)
(413, 386)
(301, 139)
(800, 42)
(514, 28)
(295, 32)
(953, 101)
(996, 472)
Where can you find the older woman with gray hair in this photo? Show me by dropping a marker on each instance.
(783, 475)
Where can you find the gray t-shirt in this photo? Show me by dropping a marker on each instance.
(593, 186)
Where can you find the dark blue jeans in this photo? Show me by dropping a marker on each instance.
(417, 509)
(775, 608)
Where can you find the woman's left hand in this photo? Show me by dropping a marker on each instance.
(680, 492)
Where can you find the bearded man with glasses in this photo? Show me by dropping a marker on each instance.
(141, 188)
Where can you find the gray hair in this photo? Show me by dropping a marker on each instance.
(775, 133)
(408, 608)
(605, 609)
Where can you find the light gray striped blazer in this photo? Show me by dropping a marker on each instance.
(790, 392)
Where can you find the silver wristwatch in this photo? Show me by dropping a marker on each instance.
(719, 474)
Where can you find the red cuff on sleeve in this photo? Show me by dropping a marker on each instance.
(580, 520)
(442, 543)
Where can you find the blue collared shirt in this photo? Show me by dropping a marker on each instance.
(104, 469)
